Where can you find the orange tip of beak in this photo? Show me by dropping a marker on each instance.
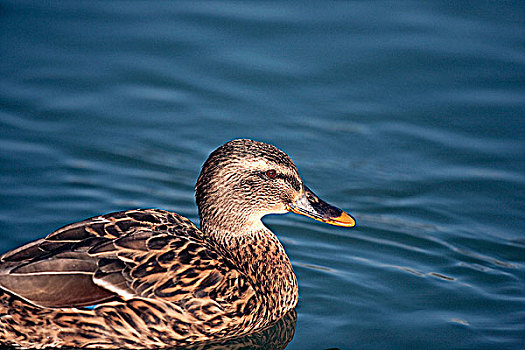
(344, 220)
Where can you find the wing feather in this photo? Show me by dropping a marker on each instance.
(147, 254)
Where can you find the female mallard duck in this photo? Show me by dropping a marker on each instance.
(148, 278)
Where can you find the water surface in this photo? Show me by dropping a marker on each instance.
(408, 114)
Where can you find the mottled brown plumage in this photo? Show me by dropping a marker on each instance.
(149, 278)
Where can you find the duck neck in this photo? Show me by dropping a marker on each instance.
(260, 256)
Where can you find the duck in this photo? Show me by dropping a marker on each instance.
(150, 278)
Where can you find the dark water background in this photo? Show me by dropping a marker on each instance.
(409, 114)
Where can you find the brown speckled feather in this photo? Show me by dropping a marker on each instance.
(150, 260)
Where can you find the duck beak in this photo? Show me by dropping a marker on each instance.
(308, 204)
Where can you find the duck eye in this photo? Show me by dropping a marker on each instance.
(271, 173)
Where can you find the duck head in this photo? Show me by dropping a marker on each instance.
(244, 180)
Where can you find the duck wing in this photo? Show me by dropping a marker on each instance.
(56, 271)
(138, 253)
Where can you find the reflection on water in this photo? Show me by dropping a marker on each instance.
(274, 338)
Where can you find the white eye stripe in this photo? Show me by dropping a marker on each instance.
(256, 164)
(262, 166)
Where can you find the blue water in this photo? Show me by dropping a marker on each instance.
(408, 114)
